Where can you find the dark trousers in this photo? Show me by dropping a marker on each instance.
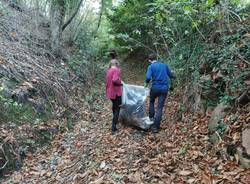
(116, 103)
(161, 100)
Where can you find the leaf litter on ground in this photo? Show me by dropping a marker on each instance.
(180, 153)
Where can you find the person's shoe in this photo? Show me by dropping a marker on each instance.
(152, 119)
(114, 130)
(155, 130)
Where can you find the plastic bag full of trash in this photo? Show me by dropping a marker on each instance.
(133, 111)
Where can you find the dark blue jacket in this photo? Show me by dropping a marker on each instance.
(159, 73)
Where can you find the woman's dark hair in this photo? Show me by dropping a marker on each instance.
(152, 57)
(113, 54)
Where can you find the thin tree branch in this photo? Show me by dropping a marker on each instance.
(240, 99)
(73, 15)
(235, 15)
(6, 158)
(83, 18)
(239, 56)
(142, 44)
(196, 27)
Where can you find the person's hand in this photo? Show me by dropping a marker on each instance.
(145, 85)
(173, 76)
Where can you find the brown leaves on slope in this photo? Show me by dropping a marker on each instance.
(180, 153)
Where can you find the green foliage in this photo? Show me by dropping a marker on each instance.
(225, 58)
(186, 34)
(16, 112)
(176, 30)
(184, 149)
(79, 64)
(227, 99)
(132, 24)
(152, 25)
(221, 128)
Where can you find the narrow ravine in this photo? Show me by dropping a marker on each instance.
(179, 153)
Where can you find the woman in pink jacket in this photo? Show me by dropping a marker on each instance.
(114, 88)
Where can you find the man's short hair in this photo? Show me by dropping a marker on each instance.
(113, 54)
(152, 57)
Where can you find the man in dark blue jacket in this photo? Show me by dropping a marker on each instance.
(159, 73)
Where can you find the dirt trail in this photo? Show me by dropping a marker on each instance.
(180, 153)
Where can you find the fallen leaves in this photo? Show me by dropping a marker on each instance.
(91, 154)
(185, 173)
(102, 165)
(17, 177)
(135, 177)
(98, 181)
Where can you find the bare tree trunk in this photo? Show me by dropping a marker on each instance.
(57, 17)
(70, 30)
(78, 27)
(73, 15)
(100, 18)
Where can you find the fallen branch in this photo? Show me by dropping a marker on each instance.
(218, 136)
(240, 99)
(6, 158)
(240, 19)
(239, 56)
(236, 54)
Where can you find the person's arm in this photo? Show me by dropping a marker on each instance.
(170, 73)
(148, 76)
(116, 79)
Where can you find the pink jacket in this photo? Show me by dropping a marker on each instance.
(113, 83)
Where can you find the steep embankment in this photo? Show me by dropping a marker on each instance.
(35, 86)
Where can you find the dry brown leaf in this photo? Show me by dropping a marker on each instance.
(36, 173)
(135, 178)
(29, 156)
(17, 178)
(49, 174)
(120, 150)
(78, 144)
(58, 177)
(185, 173)
(102, 165)
(236, 137)
(42, 173)
(81, 176)
(191, 180)
(168, 145)
(208, 178)
(98, 181)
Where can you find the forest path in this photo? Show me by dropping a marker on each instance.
(179, 153)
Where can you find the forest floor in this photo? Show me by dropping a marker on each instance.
(179, 153)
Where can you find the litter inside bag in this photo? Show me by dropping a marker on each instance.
(133, 110)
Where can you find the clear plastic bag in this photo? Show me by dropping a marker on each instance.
(133, 111)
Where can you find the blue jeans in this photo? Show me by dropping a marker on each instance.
(161, 100)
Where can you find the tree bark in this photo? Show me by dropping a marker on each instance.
(78, 27)
(73, 26)
(73, 15)
(57, 16)
(100, 18)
